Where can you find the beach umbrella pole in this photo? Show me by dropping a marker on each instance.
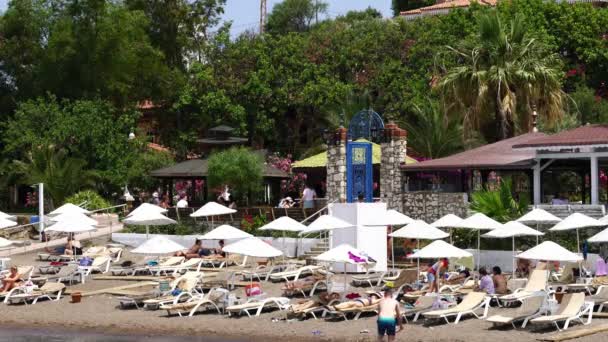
(418, 262)
(513, 242)
(147, 232)
(393, 251)
(478, 249)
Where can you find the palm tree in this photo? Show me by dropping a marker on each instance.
(503, 72)
(432, 133)
(62, 175)
(499, 204)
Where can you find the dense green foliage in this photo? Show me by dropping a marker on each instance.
(499, 203)
(239, 169)
(88, 199)
(72, 73)
(61, 174)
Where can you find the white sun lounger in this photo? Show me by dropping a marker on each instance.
(600, 297)
(51, 291)
(192, 279)
(256, 305)
(215, 298)
(572, 307)
(193, 264)
(100, 264)
(423, 304)
(294, 274)
(470, 304)
(531, 307)
(536, 283)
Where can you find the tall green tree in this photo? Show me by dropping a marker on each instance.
(238, 168)
(432, 133)
(294, 15)
(504, 71)
(61, 174)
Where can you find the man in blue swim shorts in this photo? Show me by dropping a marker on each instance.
(389, 316)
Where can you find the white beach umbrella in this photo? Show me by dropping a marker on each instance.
(7, 216)
(225, 232)
(440, 249)
(447, 222)
(284, 224)
(577, 221)
(148, 219)
(6, 223)
(599, 237)
(70, 226)
(538, 217)
(603, 219)
(146, 208)
(253, 247)
(212, 209)
(74, 217)
(419, 230)
(478, 222)
(326, 222)
(69, 208)
(345, 254)
(512, 229)
(390, 218)
(158, 245)
(550, 251)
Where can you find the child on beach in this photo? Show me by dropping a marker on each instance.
(388, 317)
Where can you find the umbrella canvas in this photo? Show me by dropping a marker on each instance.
(225, 232)
(158, 245)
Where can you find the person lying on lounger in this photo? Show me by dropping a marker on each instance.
(67, 250)
(192, 252)
(303, 283)
(11, 280)
(358, 303)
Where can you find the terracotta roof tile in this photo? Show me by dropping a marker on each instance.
(581, 136)
(447, 5)
(499, 155)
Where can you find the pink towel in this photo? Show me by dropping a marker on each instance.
(601, 269)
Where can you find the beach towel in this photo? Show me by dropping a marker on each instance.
(86, 261)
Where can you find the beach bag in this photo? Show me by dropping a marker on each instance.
(86, 261)
(253, 289)
(152, 263)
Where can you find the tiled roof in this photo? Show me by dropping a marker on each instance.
(581, 136)
(499, 155)
(195, 168)
(446, 5)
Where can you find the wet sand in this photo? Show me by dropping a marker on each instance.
(64, 321)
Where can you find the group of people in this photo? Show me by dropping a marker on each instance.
(197, 250)
(494, 283)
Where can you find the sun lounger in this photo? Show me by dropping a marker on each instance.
(294, 274)
(95, 251)
(25, 272)
(422, 305)
(256, 305)
(193, 264)
(215, 298)
(262, 272)
(531, 307)
(65, 274)
(470, 304)
(536, 283)
(50, 291)
(600, 297)
(572, 307)
(371, 278)
(356, 311)
(133, 270)
(100, 264)
(188, 290)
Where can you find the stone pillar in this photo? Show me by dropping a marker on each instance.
(336, 167)
(394, 151)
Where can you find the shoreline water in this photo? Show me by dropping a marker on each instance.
(18, 333)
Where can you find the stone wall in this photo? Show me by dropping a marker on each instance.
(394, 151)
(430, 206)
(336, 168)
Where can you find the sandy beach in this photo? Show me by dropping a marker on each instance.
(100, 314)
